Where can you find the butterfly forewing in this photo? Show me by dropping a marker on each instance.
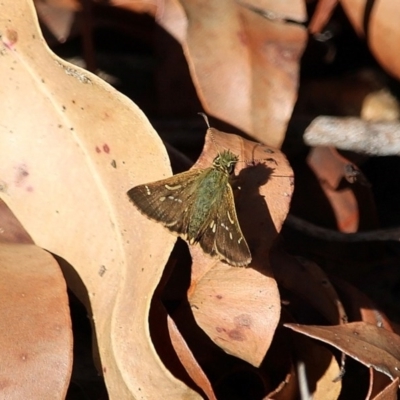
(168, 201)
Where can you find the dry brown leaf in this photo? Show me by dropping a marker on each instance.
(74, 5)
(378, 383)
(71, 147)
(58, 18)
(390, 392)
(370, 345)
(188, 361)
(239, 308)
(244, 61)
(321, 15)
(360, 307)
(329, 167)
(378, 23)
(35, 325)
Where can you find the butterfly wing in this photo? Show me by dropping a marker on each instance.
(223, 236)
(168, 201)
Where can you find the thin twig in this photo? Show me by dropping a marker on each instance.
(390, 234)
(350, 133)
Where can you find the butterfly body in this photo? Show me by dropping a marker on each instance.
(198, 205)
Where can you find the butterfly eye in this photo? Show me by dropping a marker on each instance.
(231, 167)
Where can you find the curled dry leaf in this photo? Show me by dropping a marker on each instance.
(239, 308)
(379, 383)
(390, 392)
(379, 25)
(328, 166)
(244, 61)
(243, 56)
(71, 147)
(360, 307)
(370, 345)
(35, 325)
(188, 360)
(59, 18)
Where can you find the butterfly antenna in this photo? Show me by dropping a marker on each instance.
(205, 119)
(209, 127)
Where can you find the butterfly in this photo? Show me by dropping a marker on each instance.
(198, 206)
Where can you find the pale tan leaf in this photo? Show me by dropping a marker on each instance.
(239, 310)
(71, 147)
(35, 325)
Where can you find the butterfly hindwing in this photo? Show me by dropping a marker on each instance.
(224, 237)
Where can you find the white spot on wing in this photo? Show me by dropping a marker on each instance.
(172, 187)
(171, 223)
(224, 226)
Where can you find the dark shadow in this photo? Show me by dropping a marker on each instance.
(86, 380)
(221, 368)
(369, 5)
(253, 213)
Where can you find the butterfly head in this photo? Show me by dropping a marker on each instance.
(225, 162)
